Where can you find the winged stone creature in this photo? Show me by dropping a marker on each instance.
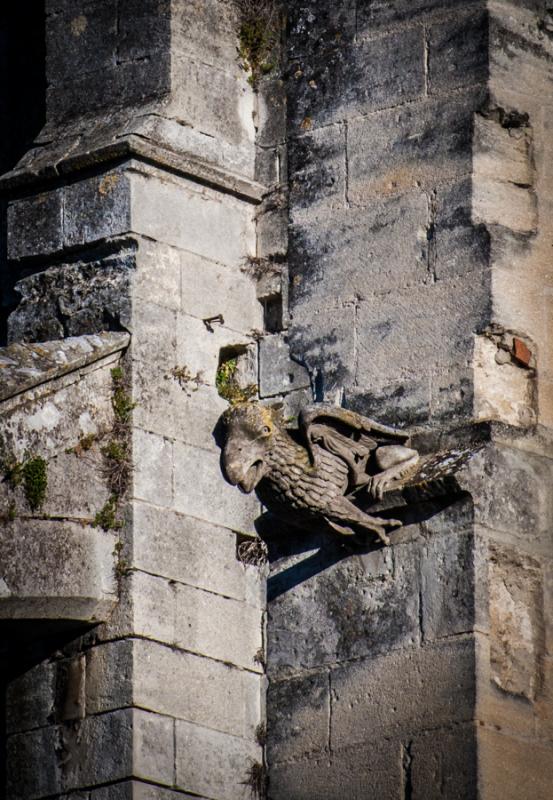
(318, 470)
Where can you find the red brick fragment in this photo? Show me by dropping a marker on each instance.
(521, 352)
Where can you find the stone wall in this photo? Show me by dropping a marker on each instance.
(367, 224)
(417, 222)
(134, 213)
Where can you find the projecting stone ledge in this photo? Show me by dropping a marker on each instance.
(59, 525)
(23, 366)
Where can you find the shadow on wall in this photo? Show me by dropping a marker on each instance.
(323, 547)
(22, 110)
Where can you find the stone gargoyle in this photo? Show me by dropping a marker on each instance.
(318, 469)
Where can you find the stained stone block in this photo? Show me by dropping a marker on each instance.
(373, 14)
(128, 84)
(213, 764)
(144, 29)
(400, 404)
(82, 40)
(317, 169)
(30, 698)
(73, 300)
(461, 246)
(317, 26)
(458, 52)
(33, 769)
(330, 259)
(382, 615)
(412, 334)
(410, 148)
(324, 339)
(349, 81)
(298, 717)
(443, 763)
(109, 677)
(515, 501)
(35, 225)
(278, 373)
(96, 209)
(448, 585)
(346, 773)
(404, 692)
(59, 570)
(516, 621)
(206, 29)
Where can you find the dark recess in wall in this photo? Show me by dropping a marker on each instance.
(22, 107)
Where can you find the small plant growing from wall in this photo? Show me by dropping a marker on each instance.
(32, 474)
(258, 29)
(116, 454)
(228, 384)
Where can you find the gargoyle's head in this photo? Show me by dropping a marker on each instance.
(249, 437)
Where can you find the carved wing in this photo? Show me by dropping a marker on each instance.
(344, 433)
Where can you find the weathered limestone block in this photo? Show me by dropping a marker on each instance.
(278, 373)
(347, 81)
(31, 698)
(93, 209)
(317, 169)
(382, 611)
(371, 15)
(332, 261)
(347, 772)
(449, 568)
(74, 300)
(504, 389)
(193, 552)
(458, 54)
(56, 411)
(214, 764)
(411, 148)
(35, 225)
(443, 763)
(158, 211)
(511, 767)
(194, 495)
(219, 628)
(217, 696)
(516, 621)
(403, 692)
(516, 501)
(298, 717)
(42, 578)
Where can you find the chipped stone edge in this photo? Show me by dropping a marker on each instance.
(110, 342)
(134, 146)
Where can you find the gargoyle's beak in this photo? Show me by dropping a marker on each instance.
(246, 478)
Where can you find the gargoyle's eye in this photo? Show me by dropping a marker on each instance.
(266, 430)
